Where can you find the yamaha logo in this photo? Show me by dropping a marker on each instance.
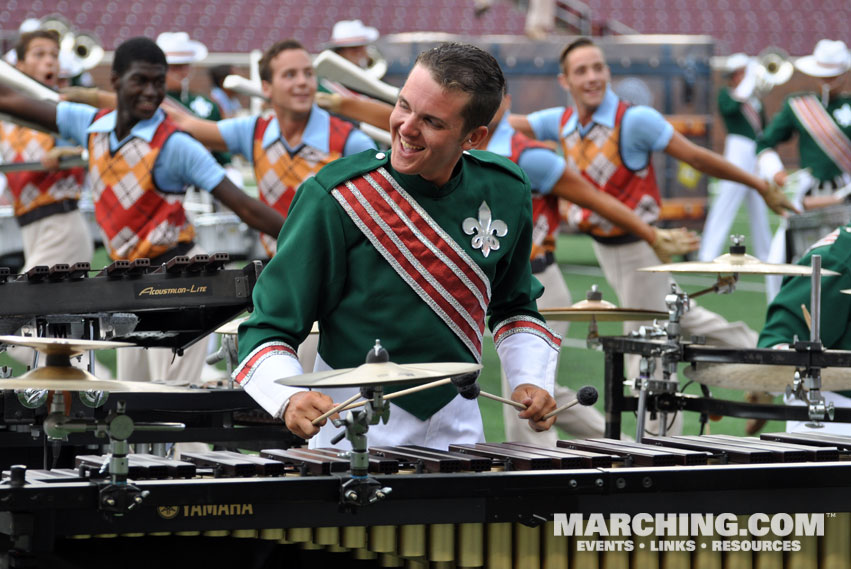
(168, 512)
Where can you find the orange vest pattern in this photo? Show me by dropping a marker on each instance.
(279, 174)
(545, 212)
(32, 190)
(137, 218)
(597, 156)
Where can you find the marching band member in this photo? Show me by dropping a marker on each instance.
(610, 143)
(290, 145)
(550, 180)
(53, 229)
(743, 116)
(822, 122)
(139, 165)
(416, 246)
(785, 319)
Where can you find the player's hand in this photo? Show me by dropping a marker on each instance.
(303, 408)
(538, 403)
(776, 199)
(329, 101)
(51, 158)
(85, 95)
(677, 241)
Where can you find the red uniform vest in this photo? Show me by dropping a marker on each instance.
(137, 218)
(597, 155)
(279, 174)
(32, 190)
(545, 212)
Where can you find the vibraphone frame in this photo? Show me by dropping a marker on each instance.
(616, 402)
(36, 514)
(210, 415)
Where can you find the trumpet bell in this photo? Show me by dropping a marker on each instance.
(774, 68)
(88, 49)
(377, 63)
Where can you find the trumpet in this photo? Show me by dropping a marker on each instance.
(83, 46)
(87, 48)
(773, 69)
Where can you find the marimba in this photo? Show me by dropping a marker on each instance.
(485, 505)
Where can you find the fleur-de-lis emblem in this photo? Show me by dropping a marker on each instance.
(485, 230)
(843, 115)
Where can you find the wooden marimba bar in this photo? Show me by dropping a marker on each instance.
(481, 505)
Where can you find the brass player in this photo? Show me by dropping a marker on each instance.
(53, 228)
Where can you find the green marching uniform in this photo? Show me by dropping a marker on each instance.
(785, 318)
(425, 303)
(829, 175)
(733, 114)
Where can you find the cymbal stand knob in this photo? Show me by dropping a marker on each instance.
(32, 398)
(737, 245)
(93, 398)
(377, 354)
(594, 294)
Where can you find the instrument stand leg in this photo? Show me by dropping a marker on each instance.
(647, 366)
(361, 489)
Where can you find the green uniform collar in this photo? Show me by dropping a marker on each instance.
(418, 185)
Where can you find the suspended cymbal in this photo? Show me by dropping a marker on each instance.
(232, 327)
(62, 378)
(595, 311)
(760, 377)
(736, 263)
(387, 373)
(61, 346)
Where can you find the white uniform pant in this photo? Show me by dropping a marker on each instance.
(715, 240)
(647, 291)
(160, 364)
(458, 422)
(57, 238)
(578, 421)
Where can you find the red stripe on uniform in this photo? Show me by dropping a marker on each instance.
(426, 229)
(248, 365)
(438, 269)
(551, 336)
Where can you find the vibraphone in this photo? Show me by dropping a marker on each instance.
(485, 505)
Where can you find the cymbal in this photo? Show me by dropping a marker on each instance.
(736, 263)
(594, 310)
(232, 327)
(387, 373)
(61, 346)
(61, 378)
(760, 377)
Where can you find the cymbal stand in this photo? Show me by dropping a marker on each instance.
(809, 379)
(671, 354)
(116, 496)
(361, 489)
